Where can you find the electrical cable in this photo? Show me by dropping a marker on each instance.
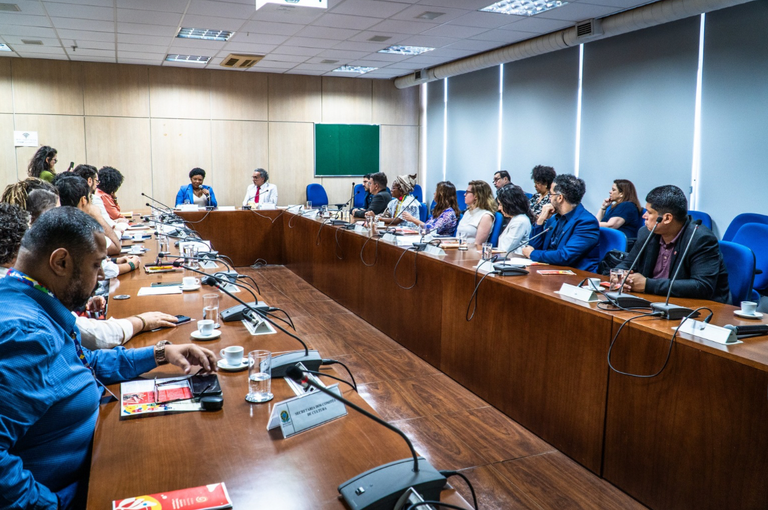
(415, 273)
(338, 246)
(337, 362)
(245, 276)
(375, 256)
(273, 309)
(425, 503)
(449, 474)
(271, 220)
(209, 211)
(332, 377)
(474, 292)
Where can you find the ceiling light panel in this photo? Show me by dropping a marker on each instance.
(191, 59)
(406, 50)
(5, 47)
(523, 7)
(205, 34)
(354, 69)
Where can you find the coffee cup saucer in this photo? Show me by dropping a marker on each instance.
(199, 336)
(756, 315)
(191, 287)
(222, 364)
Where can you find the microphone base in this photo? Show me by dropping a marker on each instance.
(623, 300)
(509, 269)
(236, 313)
(380, 488)
(338, 223)
(282, 362)
(420, 246)
(673, 312)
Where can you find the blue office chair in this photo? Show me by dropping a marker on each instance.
(528, 195)
(359, 201)
(611, 239)
(460, 199)
(740, 262)
(417, 193)
(422, 211)
(740, 220)
(317, 195)
(705, 218)
(755, 237)
(498, 219)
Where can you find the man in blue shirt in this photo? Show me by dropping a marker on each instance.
(50, 385)
(574, 233)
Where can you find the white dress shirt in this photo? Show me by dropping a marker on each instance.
(267, 194)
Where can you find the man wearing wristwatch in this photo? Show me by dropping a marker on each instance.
(50, 385)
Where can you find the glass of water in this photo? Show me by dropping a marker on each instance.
(162, 244)
(211, 308)
(487, 251)
(190, 254)
(259, 377)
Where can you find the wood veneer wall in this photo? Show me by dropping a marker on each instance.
(156, 123)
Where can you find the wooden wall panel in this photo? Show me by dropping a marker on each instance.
(237, 148)
(178, 146)
(116, 90)
(291, 159)
(294, 98)
(395, 106)
(179, 93)
(6, 89)
(399, 150)
(339, 189)
(8, 172)
(346, 101)
(107, 146)
(239, 95)
(62, 132)
(49, 86)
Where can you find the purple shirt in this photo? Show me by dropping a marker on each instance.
(663, 261)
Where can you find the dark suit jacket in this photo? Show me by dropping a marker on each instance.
(378, 204)
(702, 274)
(579, 242)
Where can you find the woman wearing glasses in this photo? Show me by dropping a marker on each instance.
(477, 221)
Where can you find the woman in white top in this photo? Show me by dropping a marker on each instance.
(514, 204)
(477, 221)
(403, 206)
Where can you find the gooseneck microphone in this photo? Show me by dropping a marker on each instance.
(280, 363)
(674, 312)
(199, 258)
(382, 486)
(616, 297)
(505, 269)
(157, 202)
(748, 331)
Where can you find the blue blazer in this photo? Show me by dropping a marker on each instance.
(579, 242)
(186, 193)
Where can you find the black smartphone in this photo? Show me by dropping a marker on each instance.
(183, 319)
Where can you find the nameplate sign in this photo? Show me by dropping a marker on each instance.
(578, 293)
(306, 411)
(390, 238)
(188, 207)
(434, 250)
(311, 213)
(361, 229)
(267, 207)
(708, 331)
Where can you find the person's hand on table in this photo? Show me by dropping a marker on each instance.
(186, 355)
(96, 305)
(409, 217)
(635, 282)
(133, 258)
(154, 320)
(369, 214)
(527, 252)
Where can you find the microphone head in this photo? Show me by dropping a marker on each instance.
(147, 204)
(210, 281)
(658, 219)
(175, 263)
(295, 373)
(697, 222)
(731, 327)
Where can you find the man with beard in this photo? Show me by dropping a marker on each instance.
(50, 386)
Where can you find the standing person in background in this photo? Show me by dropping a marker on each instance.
(622, 210)
(261, 191)
(381, 197)
(42, 164)
(542, 179)
(196, 192)
(110, 180)
(478, 219)
(445, 213)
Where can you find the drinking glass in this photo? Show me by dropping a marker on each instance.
(617, 276)
(259, 376)
(211, 308)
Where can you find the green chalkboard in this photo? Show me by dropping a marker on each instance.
(346, 149)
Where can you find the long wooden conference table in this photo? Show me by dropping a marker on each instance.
(692, 437)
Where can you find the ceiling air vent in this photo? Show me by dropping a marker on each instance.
(380, 38)
(9, 7)
(240, 61)
(588, 30)
(421, 76)
(36, 42)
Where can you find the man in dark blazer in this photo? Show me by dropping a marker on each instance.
(702, 273)
(572, 239)
(381, 197)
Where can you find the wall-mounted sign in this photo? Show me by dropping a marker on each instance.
(25, 138)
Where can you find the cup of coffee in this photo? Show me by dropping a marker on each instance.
(190, 281)
(205, 327)
(138, 236)
(748, 307)
(233, 355)
(593, 284)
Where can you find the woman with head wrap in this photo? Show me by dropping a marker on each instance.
(403, 203)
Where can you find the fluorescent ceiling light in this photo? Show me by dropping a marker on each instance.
(4, 47)
(354, 69)
(523, 7)
(322, 4)
(406, 50)
(205, 33)
(194, 59)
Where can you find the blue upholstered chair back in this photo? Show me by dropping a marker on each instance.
(740, 262)
(755, 237)
(317, 195)
(417, 193)
(359, 201)
(611, 239)
(740, 220)
(706, 220)
(498, 219)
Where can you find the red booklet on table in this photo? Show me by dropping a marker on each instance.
(205, 497)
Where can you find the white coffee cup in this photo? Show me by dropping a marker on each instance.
(205, 327)
(233, 355)
(190, 281)
(138, 236)
(593, 284)
(748, 307)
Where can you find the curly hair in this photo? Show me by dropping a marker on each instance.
(14, 222)
(571, 187)
(18, 192)
(110, 180)
(543, 175)
(197, 171)
(39, 162)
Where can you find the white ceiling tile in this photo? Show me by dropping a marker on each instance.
(392, 26)
(18, 19)
(16, 40)
(144, 39)
(319, 60)
(345, 21)
(82, 35)
(284, 14)
(385, 57)
(307, 42)
(106, 59)
(222, 9)
(365, 37)
(429, 41)
(621, 4)
(155, 57)
(90, 45)
(485, 19)
(273, 64)
(537, 25)
(341, 54)
(365, 63)
(27, 31)
(362, 46)
(257, 49)
(257, 38)
(23, 49)
(263, 27)
(426, 61)
(316, 67)
(153, 5)
(139, 29)
(197, 21)
(149, 17)
(306, 73)
(80, 52)
(99, 3)
(80, 11)
(373, 8)
(272, 70)
(142, 48)
(504, 37)
(49, 56)
(84, 24)
(448, 53)
(474, 46)
(471, 5)
(411, 14)
(577, 12)
(197, 44)
(297, 50)
(450, 30)
(327, 33)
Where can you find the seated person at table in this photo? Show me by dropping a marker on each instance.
(13, 223)
(513, 204)
(260, 192)
(49, 394)
(501, 179)
(702, 273)
(574, 233)
(401, 203)
(39, 201)
(622, 210)
(477, 222)
(74, 192)
(381, 197)
(17, 193)
(109, 181)
(196, 192)
(445, 213)
(542, 177)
